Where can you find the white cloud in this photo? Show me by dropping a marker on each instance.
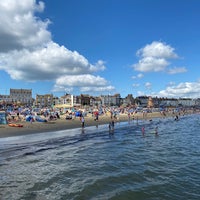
(177, 70)
(157, 50)
(28, 53)
(86, 83)
(148, 85)
(97, 89)
(61, 88)
(19, 28)
(149, 64)
(81, 80)
(138, 76)
(184, 90)
(46, 63)
(154, 57)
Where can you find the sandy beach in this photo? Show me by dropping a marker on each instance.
(63, 124)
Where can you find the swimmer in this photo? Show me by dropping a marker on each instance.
(143, 130)
(109, 126)
(156, 130)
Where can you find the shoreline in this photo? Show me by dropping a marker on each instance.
(63, 124)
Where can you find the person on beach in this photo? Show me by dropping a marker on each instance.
(129, 116)
(31, 119)
(82, 122)
(18, 116)
(96, 116)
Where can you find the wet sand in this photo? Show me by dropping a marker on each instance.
(63, 124)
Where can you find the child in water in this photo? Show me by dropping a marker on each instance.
(156, 130)
(82, 122)
(143, 130)
(111, 125)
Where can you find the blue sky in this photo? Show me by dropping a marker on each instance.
(139, 47)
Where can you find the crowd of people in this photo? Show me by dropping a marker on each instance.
(114, 113)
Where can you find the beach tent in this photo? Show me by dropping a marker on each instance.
(78, 113)
(39, 119)
(29, 118)
(3, 119)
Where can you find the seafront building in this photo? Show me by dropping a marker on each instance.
(5, 99)
(18, 97)
(95, 101)
(67, 100)
(111, 100)
(45, 100)
(23, 97)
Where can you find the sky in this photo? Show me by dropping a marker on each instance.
(101, 47)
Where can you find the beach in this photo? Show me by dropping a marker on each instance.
(63, 124)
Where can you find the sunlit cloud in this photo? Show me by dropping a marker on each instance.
(86, 83)
(28, 53)
(187, 89)
(154, 57)
(157, 50)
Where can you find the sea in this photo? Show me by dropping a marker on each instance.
(95, 163)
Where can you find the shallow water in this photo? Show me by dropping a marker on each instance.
(94, 164)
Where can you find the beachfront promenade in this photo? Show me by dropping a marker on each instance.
(63, 124)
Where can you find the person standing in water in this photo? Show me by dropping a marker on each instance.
(156, 131)
(143, 130)
(82, 122)
(111, 126)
